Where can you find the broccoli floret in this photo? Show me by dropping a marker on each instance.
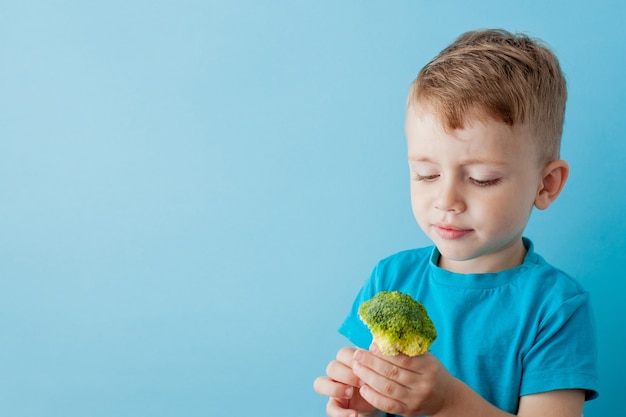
(398, 323)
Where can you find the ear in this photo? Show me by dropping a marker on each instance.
(554, 176)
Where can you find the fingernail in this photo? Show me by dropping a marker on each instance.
(349, 392)
(358, 355)
(373, 348)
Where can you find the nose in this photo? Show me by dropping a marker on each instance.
(449, 197)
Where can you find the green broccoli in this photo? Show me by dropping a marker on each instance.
(398, 323)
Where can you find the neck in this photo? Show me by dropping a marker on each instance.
(507, 257)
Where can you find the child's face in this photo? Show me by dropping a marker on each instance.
(472, 190)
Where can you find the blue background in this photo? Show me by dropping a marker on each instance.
(192, 192)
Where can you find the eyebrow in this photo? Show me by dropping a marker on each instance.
(472, 161)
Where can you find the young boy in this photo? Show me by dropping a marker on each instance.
(515, 335)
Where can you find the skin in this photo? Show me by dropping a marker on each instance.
(472, 192)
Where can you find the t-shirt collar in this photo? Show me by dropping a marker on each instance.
(485, 280)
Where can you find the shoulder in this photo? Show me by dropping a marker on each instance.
(539, 273)
(550, 293)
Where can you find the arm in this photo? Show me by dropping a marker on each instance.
(560, 403)
(422, 386)
(553, 404)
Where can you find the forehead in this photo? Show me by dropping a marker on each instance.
(480, 137)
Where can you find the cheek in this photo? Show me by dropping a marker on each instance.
(506, 209)
(417, 201)
(419, 195)
(421, 207)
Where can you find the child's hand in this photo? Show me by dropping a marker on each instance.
(401, 384)
(341, 386)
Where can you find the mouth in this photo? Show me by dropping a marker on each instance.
(449, 232)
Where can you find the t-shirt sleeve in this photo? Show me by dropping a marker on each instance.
(564, 354)
(352, 327)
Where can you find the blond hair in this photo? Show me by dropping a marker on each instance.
(508, 77)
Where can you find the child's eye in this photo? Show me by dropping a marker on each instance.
(485, 183)
(426, 178)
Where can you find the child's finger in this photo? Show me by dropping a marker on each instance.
(383, 385)
(345, 355)
(340, 372)
(383, 367)
(382, 402)
(327, 387)
(338, 408)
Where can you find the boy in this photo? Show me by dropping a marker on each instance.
(515, 335)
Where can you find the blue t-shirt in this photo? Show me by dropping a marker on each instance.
(525, 330)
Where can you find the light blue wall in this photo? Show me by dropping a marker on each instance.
(191, 192)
